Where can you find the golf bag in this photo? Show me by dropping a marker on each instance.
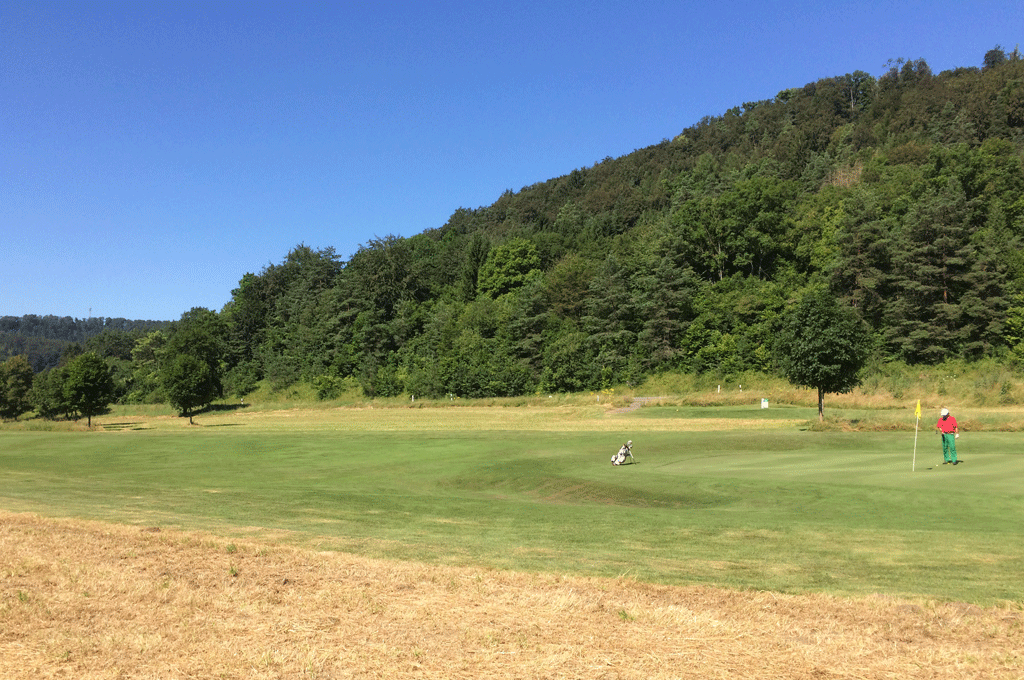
(624, 452)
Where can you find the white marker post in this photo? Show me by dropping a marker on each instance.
(917, 412)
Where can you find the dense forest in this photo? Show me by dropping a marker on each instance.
(901, 195)
(45, 339)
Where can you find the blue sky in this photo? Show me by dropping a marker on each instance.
(152, 153)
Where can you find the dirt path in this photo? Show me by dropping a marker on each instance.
(91, 600)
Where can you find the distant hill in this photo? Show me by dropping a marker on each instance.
(45, 338)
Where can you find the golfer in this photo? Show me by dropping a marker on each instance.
(948, 430)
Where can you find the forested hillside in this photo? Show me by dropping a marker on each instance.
(45, 339)
(902, 194)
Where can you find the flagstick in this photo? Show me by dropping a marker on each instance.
(913, 466)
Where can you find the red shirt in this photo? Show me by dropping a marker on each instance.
(946, 425)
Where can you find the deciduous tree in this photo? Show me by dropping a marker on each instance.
(199, 333)
(89, 385)
(15, 384)
(47, 394)
(508, 266)
(189, 384)
(823, 345)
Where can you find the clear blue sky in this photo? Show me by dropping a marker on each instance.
(152, 153)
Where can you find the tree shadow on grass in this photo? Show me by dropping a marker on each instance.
(128, 425)
(220, 408)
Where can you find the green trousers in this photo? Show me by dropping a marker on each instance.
(949, 447)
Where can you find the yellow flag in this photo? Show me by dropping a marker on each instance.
(917, 411)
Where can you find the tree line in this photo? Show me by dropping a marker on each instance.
(180, 365)
(43, 339)
(900, 197)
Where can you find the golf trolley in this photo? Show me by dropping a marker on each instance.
(624, 453)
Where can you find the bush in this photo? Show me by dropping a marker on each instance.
(334, 387)
(241, 380)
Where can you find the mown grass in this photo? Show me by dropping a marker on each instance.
(734, 496)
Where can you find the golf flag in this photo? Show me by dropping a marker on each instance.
(917, 411)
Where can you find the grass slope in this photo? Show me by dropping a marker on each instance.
(733, 497)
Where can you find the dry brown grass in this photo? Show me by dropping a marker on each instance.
(90, 600)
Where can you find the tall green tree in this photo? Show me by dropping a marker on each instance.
(823, 345)
(613, 321)
(381, 274)
(47, 393)
(189, 384)
(568, 364)
(994, 57)
(247, 316)
(200, 333)
(863, 272)
(146, 356)
(508, 267)
(928, 320)
(745, 229)
(15, 386)
(88, 385)
(665, 295)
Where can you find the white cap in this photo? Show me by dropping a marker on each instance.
(944, 412)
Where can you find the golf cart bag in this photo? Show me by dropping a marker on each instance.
(625, 452)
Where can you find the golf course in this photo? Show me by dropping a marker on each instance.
(737, 526)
